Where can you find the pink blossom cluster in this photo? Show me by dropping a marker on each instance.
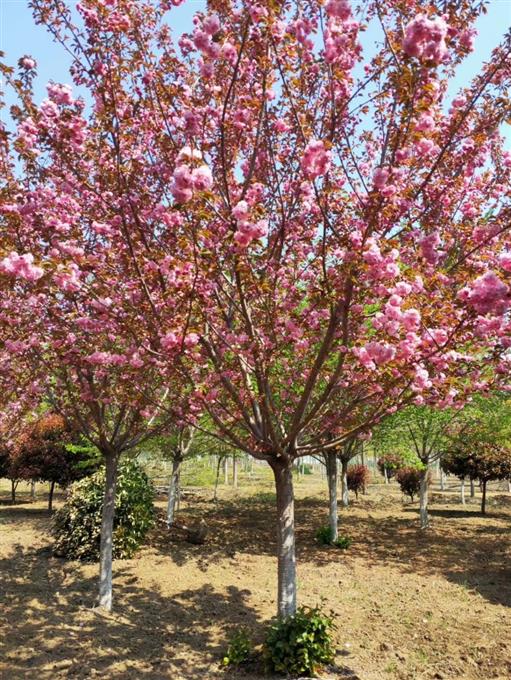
(21, 266)
(27, 63)
(316, 159)
(187, 180)
(425, 38)
(171, 342)
(60, 94)
(487, 294)
(203, 36)
(341, 46)
(375, 354)
(380, 266)
(247, 231)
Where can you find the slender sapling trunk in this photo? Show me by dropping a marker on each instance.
(344, 483)
(463, 491)
(483, 499)
(50, 496)
(423, 500)
(286, 593)
(331, 471)
(172, 495)
(107, 530)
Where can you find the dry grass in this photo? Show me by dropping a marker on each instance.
(409, 605)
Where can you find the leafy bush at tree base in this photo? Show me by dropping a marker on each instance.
(301, 644)
(77, 525)
(239, 650)
(324, 537)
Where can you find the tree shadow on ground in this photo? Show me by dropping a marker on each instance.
(50, 628)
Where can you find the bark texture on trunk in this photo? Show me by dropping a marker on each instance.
(50, 496)
(483, 499)
(218, 465)
(331, 471)
(423, 500)
(344, 483)
(463, 492)
(235, 472)
(173, 487)
(107, 529)
(286, 597)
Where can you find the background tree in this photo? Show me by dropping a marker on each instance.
(49, 450)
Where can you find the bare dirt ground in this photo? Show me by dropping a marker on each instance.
(409, 605)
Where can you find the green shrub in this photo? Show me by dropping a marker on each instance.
(77, 525)
(324, 537)
(299, 645)
(239, 649)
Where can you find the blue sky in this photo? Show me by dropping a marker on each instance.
(19, 35)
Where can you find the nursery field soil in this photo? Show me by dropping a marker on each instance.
(409, 605)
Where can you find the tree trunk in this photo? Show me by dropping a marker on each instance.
(463, 491)
(226, 470)
(385, 474)
(442, 480)
(483, 500)
(172, 495)
(32, 490)
(286, 594)
(50, 496)
(14, 484)
(472, 489)
(344, 483)
(107, 529)
(218, 466)
(423, 501)
(331, 471)
(509, 485)
(234, 472)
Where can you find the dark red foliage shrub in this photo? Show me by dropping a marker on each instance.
(409, 479)
(358, 477)
(390, 462)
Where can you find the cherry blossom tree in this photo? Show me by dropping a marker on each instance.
(309, 235)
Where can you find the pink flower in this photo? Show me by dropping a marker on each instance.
(21, 266)
(338, 8)
(316, 159)
(28, 63)
(202, 178)
(421, 380)
(60, 94)
(411, 319)
(487, 294)
(380, 177)
(425, 38)
(211, 24)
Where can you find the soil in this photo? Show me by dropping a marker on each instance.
(409, 605)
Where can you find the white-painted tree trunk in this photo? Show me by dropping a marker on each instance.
(331, 471)
(509, 485)
(385, 475)
(235, 472)
(344, 483)
(107, 528)
(286, 593)
(423, 500)
(442, 480)
(173, 490)
(463, 501)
